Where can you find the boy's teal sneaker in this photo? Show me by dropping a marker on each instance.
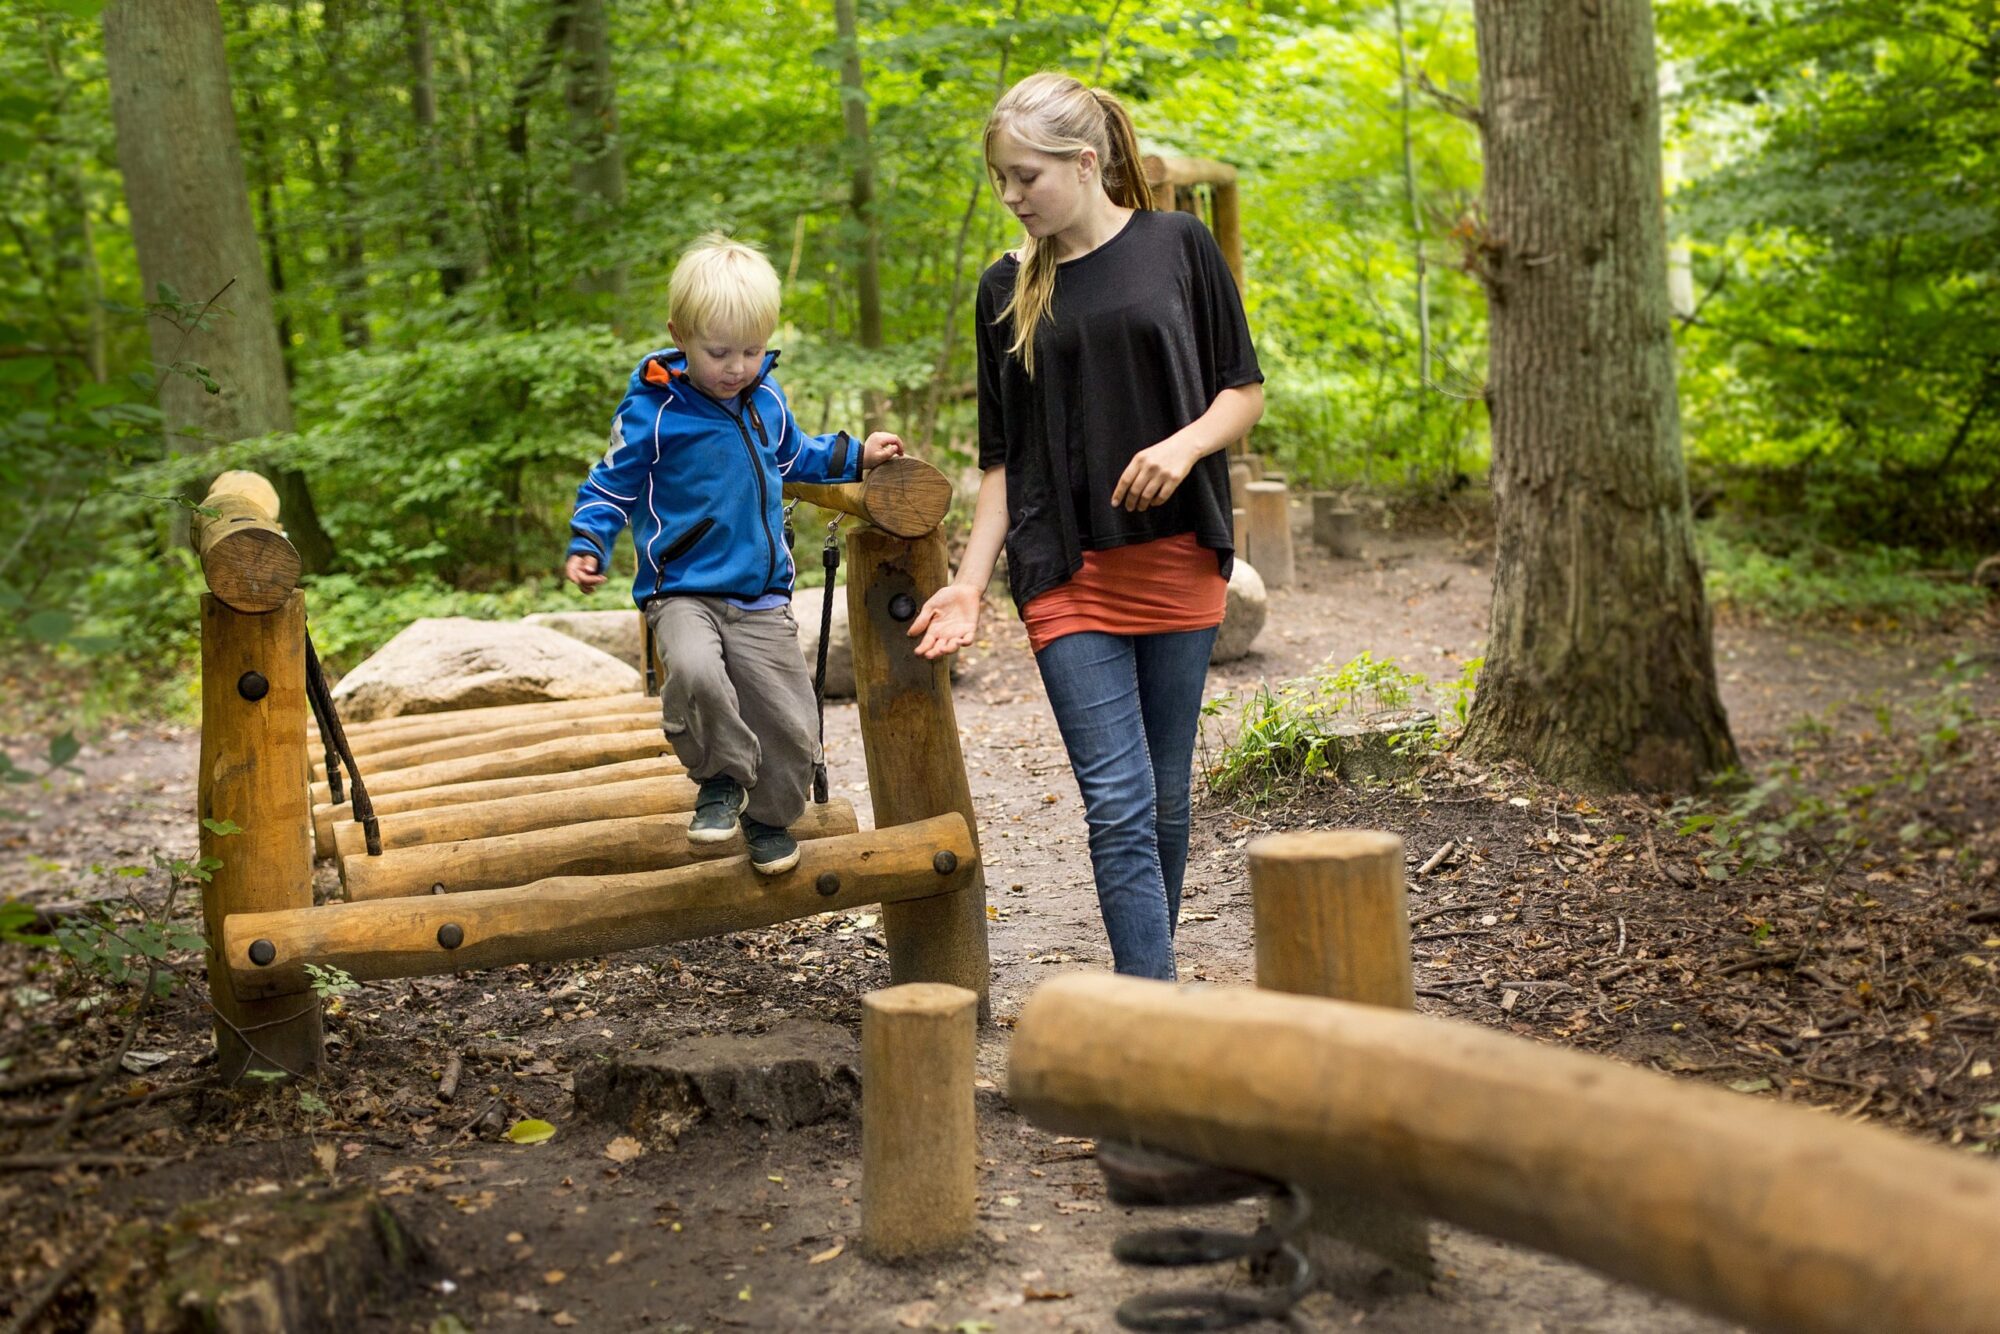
(716, 807)
(773, 850)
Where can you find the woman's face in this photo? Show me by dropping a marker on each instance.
(1048, 194)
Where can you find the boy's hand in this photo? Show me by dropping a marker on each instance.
(879, 448)
(948, 622)
(581, 570)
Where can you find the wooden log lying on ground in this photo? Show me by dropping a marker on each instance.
(576, 917)
(596, 847)
(335, 833)
(246, 559)
(407, 729)
(563, 755)
(1774, 1216)
(382, 761)
(905, 496)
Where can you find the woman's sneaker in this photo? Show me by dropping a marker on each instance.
(715, 810)
(773, 850)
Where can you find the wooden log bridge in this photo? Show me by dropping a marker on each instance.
(562, 755)
(1774, 1216)
(265, 953)
(905, 497)
(599, 847)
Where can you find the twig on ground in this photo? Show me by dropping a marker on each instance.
(31, 1307)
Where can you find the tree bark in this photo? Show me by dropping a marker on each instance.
(1601, 670)
(597, 171)
(423, 109)
(191, 225)
(861, 194)
(352, 282)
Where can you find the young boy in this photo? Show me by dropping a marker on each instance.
(700, 449)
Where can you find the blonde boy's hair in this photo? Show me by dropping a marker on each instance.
(723, 288)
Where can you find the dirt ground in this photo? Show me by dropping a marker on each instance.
(1866, 984)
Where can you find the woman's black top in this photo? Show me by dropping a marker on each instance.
(1143, 334)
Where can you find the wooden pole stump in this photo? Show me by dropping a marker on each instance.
(253, 774)
(1269, 504)
(909, 731)
(919, 1137)
(246, 560)
(1239, 480)
(1336, 527)
(904, 496)
(1332, 919)
(1239, 519)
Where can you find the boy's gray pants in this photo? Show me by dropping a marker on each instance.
(736, 700)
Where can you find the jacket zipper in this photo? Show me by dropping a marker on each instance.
(679, 547)
(763, 488)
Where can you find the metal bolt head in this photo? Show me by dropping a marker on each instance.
(828, 884)
(945, 862)
(263, 953)
(451, 935)
(252, 686)
(437, 887)
(902, 607)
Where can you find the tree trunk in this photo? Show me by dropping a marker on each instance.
(597, 172)
(1601, 670)
(184, 187)
(861, 194)
(352, 282)
(423, 109)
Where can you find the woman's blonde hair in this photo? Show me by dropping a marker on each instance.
(723, 288)
(1055, 114)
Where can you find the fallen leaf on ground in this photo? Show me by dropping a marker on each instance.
(828, 1254)
(531, 1132)
(624, 1149)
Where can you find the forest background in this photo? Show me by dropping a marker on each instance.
(468, 212)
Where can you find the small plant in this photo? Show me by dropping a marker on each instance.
(329, 983)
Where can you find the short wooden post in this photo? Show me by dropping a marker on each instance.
(1229, 230)
(1239, 519)
(1239, 478)
(1336, 527)
(1332, 919)
(1270, 524)
(918, 1134)
(253, 774)
(909, 733)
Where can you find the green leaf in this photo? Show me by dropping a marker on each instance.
(1757, 1085)
(48, 626)
(224, 828)
(531, 1132)
(63, 749)
(23, 370)
(82, 9)
(1991, 1111)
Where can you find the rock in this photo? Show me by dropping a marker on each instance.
(801, 1072)
(619, 633)
(1385, 748)
(806, 604)
(303, 1262)
(457, 663)
(1243, 614)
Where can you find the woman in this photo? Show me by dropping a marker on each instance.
(1115, 366)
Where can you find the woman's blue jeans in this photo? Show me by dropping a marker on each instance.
(1128, 707)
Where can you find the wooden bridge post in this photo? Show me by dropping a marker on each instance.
(1332, 919)
(254, 774)
(909, 731)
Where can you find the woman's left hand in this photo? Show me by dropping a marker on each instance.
(1153, 475)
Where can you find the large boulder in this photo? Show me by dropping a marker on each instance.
(619, 633)
(445, 663)
(1243, 614)
(806, 604)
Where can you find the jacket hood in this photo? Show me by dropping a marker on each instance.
(667, 367)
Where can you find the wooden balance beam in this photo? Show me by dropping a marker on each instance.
(906, 497)
(1774, 1216)
(562, 755)
(577, 917)
(598, 847)
(337, 835)
(382, 760)
(410, 728)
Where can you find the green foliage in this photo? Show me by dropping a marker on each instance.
(328, 983)
(1766, 572)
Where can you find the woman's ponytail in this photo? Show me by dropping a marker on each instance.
(1124, 170)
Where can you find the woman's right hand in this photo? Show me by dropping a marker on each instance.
(948, 622)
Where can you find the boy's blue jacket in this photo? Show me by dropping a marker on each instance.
(699, 480)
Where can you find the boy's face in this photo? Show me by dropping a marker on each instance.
(720, 366)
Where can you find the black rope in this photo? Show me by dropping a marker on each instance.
(829, 559)
(652, 654)
(1136, 1176)
(329, 716)
(322, 715)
